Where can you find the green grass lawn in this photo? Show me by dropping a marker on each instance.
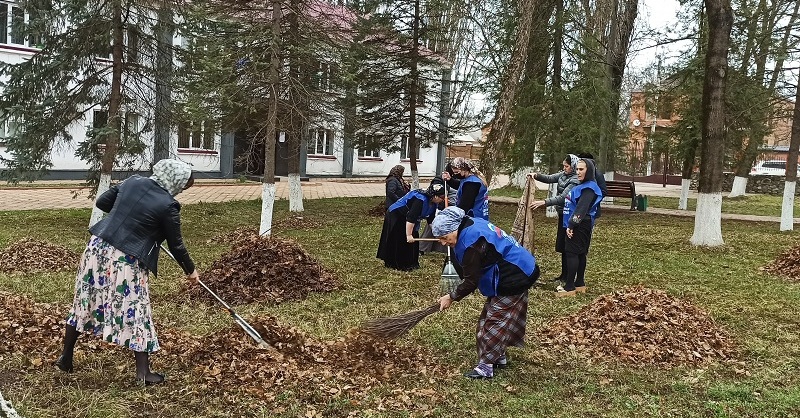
(760, 311)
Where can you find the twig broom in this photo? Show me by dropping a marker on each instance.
(393, 327)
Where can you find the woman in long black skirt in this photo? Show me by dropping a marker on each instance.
(398, 248)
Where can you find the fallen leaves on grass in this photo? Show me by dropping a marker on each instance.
(786, 265)
(259, 269)
(224, 362)
(641, 326)
(378, 211)
(30, 255)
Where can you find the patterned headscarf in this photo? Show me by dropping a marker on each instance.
(573, 162)
(447, 221)
(396, 171)
(462, 163)
(172, 175)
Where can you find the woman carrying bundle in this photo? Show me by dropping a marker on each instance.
(473, 193)
(580, 211)
(398, 248)
(494, 263)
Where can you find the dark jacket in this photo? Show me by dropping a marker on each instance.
(141, 214)
(394, 191)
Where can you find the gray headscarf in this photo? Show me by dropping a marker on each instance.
(447, 221)
(172, 175)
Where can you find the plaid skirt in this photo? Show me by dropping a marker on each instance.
(112, 299)
(501, 325)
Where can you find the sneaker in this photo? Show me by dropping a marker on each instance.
(481, 371)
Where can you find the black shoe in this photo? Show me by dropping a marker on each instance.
(63, 364)
(473, 374)
(157, 380)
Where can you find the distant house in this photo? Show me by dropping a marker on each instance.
(648, 120)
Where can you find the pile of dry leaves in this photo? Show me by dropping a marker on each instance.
(226, 361)
(787, 264)
(641, 326)
(30, 255)
(259, 269)
(379, 210)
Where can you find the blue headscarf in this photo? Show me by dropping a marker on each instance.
(447, 221)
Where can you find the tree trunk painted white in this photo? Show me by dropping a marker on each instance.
(683, 203)
(739, 186)
(708, 220)
(97, 214)
(6, 410)
(415, 180)
(267, 206)
(608, 176)
(787, 208)
(551, 211)
(295, 193)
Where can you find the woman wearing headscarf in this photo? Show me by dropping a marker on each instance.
(396, 187)
(433, 246)
(565, 180)
(494, 263)
(112, 297)
(473, 192)
(397, 247)
(580, 211)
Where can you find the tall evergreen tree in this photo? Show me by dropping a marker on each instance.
(91, 55)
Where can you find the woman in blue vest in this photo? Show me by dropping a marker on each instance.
(494, 263)
(397, 247)
(565, 180)
(473, 194)
(580, 211)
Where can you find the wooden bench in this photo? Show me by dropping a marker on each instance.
(622, 189)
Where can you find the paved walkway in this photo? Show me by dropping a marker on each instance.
(69, 195)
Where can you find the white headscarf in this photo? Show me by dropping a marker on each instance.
(172, 175)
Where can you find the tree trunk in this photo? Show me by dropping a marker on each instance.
(268, 185)
(787, 208)
(111, 138)
(298, 113)
(708, 218)
(616, 57)
(501, 129)
(412, 98)
(163, 82)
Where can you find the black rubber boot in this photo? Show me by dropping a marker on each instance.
(64, 362)
(143, 374)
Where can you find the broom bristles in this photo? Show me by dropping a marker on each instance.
(393, 327)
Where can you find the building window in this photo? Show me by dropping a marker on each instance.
(196, 135)
(12, 21)
(320, 141)
(366, 151)
(322, 78)
(132, 45)
(404, 149)
(99, 119)
(8, 127)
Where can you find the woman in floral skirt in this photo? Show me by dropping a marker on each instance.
(112, 298)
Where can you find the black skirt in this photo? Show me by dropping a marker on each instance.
(561, 232)
(393, 249)
(581, 238)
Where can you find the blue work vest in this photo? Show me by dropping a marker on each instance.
(571, 201)
(504, 244)
(481, 207)
(427, 208)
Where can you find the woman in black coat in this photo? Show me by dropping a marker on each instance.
(112, 297)
(396, 187)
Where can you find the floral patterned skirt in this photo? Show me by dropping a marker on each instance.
(112, 299)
